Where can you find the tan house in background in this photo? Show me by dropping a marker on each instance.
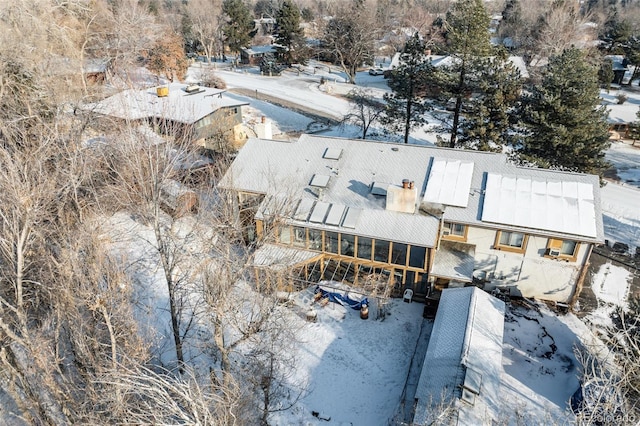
(202, 114)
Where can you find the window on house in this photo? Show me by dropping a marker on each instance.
(364, 248)
(331, 242)
(285, 235)
(299, 237)
(315, 239)
(399, 254)
(511, 241)
(381, 253)
(454, 230)
(416, 256)
(347, 244)
(568, 247)
(563, 248)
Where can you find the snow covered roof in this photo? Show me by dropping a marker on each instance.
(617, 62)
(552, 205)
(259, 50)
(449, 182)
(278, 257)
(454, 260)
(463, 363)
(179, 105)
(365, 170)
(517, 61)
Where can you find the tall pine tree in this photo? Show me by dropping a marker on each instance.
(406, 105)
(467, 38)
(290, 38)
(239, 27)
(566, 127)
(489, 116)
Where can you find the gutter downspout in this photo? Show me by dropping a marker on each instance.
(580, 283)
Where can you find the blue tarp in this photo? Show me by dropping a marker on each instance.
(342, 299)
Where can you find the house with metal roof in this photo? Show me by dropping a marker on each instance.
(202, 114)
(460, 379)
(421, 217)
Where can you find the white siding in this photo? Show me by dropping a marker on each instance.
(530, 274)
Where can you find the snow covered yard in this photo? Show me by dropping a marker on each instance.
(540, 369)
(355, 369)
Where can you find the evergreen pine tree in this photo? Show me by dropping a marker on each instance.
(239, 26)
(290, 39)
(406, 106)
(489, 113)
(467, 38)
(566, 127)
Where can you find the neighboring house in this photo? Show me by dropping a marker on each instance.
(264, 27)
(446, 60)
(96, 70)
(202, 114)
(420, 216)
(460, 379)
(253, 55)
(622, 116)
(619, 67)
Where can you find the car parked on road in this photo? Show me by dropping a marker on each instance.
(376, 71)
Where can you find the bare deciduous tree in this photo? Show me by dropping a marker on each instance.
(349, 36)
(206, 21)
(365, 110)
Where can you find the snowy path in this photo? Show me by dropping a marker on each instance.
(621, 210)
(417, 361)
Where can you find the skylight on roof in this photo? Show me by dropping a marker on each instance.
(303, 210)
(472, 380)
(335, 215)
(351, 218)
(332, 153)
(319, 212)
(566, 207)
(319, 181)
(449, 182)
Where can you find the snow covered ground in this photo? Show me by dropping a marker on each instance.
(356, 369)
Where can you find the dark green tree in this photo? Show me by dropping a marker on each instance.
(489, 116)
(265, 8)
(565, 125)
(239, 26)
(467, 42)
(511, 24)
(615, 33)
(291, 46)
(632, 55)
(406, 105)
(605, 73)
(307, 14)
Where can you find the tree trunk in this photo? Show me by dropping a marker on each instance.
(48, 405)
(457, 109)
(168, 273)
(218, 338)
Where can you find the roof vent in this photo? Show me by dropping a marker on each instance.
(332, 153)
